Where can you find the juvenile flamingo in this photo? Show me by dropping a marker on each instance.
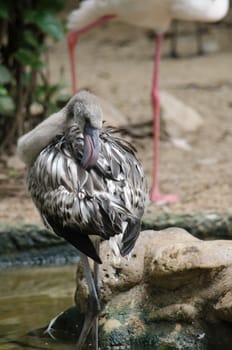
(152, 14)
(87, 185)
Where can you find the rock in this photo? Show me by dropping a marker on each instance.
(202, 225)
(223, 307)
(22, 244)
(211, 46)
(179, 118)
(173, 261)
(125, 334)
(181, 143)
(135, 333)
(32, 245)
(20, 238)
(171, 285)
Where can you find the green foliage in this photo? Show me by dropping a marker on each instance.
(28, 58)
(7, 105)
(3, 10)
(5, 75)
(46, 22)
(24, 27)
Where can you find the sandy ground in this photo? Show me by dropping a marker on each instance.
(116, 62)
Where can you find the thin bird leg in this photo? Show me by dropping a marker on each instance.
(96, 269)
(199, 37)
(93, 305)
(173, 40)
(94, 330)
(72, 42)
(97, 286)
(155, 193)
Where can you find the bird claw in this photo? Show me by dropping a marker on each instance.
(161, 199)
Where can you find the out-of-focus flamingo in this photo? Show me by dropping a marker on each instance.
(153, 14)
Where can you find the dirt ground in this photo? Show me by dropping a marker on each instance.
(116, 62)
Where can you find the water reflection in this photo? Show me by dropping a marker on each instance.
(29, 298)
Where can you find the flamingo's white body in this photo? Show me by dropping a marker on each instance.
(153, 14)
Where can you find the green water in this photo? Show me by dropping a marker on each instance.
(29, 298)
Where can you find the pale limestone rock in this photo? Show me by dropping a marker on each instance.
(223, 307)
(170, 276)
(179, 118)
(172, 263)
(185, 313)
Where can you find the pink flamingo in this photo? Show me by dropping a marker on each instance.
(154, 14)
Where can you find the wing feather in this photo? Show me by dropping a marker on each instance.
(107, 200)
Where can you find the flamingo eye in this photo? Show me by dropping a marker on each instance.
(81, 195)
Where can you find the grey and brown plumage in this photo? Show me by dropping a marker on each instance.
(85, 182)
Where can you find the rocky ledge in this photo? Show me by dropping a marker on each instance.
(170, 290)
(170, 294)
(32, 245)
(26, 245)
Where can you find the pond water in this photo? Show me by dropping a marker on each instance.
(30, 298)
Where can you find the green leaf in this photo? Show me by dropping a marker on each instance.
(7, 105)
(3, 10)
(5, 75)
(26, 78)
(50, 25)
(54, 88)
(30, 38)
(3, 91)
(28, 58)
(46, 22)
(51, 6)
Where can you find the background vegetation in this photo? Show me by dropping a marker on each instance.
(25, 90)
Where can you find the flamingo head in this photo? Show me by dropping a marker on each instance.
(84, 109)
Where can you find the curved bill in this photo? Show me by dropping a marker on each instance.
(91, 147)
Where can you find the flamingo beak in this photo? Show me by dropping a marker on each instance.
(91, 147)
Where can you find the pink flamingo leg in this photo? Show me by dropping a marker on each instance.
(72, 42)
(155, 193)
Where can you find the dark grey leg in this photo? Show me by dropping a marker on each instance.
(95, 340)
(173, 40)
(199, 38)
(93, 306)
